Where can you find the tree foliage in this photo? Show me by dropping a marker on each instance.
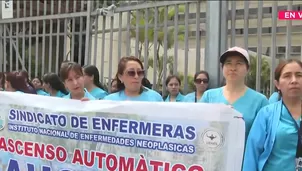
(265, 74)
(142, 17)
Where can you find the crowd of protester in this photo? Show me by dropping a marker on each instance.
(272, 126)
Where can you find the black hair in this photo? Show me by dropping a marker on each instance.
(146, 83)
(92, 70)
(55, 82)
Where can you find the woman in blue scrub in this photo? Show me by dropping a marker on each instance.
(173, 85)
(54, 86)
(92, 82)
(129, 78)
(14, 82)
(274, 97)
(201, 80)
(72, 75)
(273, 139)
(37, 83)
(235, 65)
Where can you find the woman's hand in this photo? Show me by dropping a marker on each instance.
(85, 99)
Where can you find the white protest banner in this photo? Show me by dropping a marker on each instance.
(54, 134)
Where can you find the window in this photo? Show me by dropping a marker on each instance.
(239, 31)
(252, 30)
(296, 50)
(282, 8)
(281, 50)
(296, 7)
(267, 10)
(239, 12)
(253, 11)
(280, 56)
(266, 30)
(181, 16)
(281, 29)
(297, 28)
(254, 49)
(192, 15)
(203, 15)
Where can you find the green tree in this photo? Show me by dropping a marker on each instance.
(265, 74)
(147, 16)
(190, 81)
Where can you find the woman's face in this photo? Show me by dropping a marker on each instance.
(88, 80)
(173, 86)
(37, 83)
(74, 82)
(290, 81)
(234, 68)
(201, 82)
(132, 76)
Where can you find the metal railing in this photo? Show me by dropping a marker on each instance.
(171, 37)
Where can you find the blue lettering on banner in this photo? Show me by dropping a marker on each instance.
(32, 117)
(165, 146)
(144, 128)
(122, 141)
(13, 165)
(80, 122)
(38, 130)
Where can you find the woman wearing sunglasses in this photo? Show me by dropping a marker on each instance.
(235, 65)
(72, 75)
(173, 85)
(130, 74)
(201, 80)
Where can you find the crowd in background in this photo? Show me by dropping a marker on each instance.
(272, 126)
(58, 85)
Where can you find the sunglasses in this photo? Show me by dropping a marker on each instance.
(199, 81)
(132, 73)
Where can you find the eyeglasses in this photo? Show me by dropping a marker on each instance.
(132, 73)
(199, 81)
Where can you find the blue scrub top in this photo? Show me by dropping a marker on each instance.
(98, 93)
(60, 94)
(274, 97)
(179, 98)
(42, 93)
(283, 153)
(146, 95)
(272, 136)
(191, 98)
(87, 95)
(248, 105)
